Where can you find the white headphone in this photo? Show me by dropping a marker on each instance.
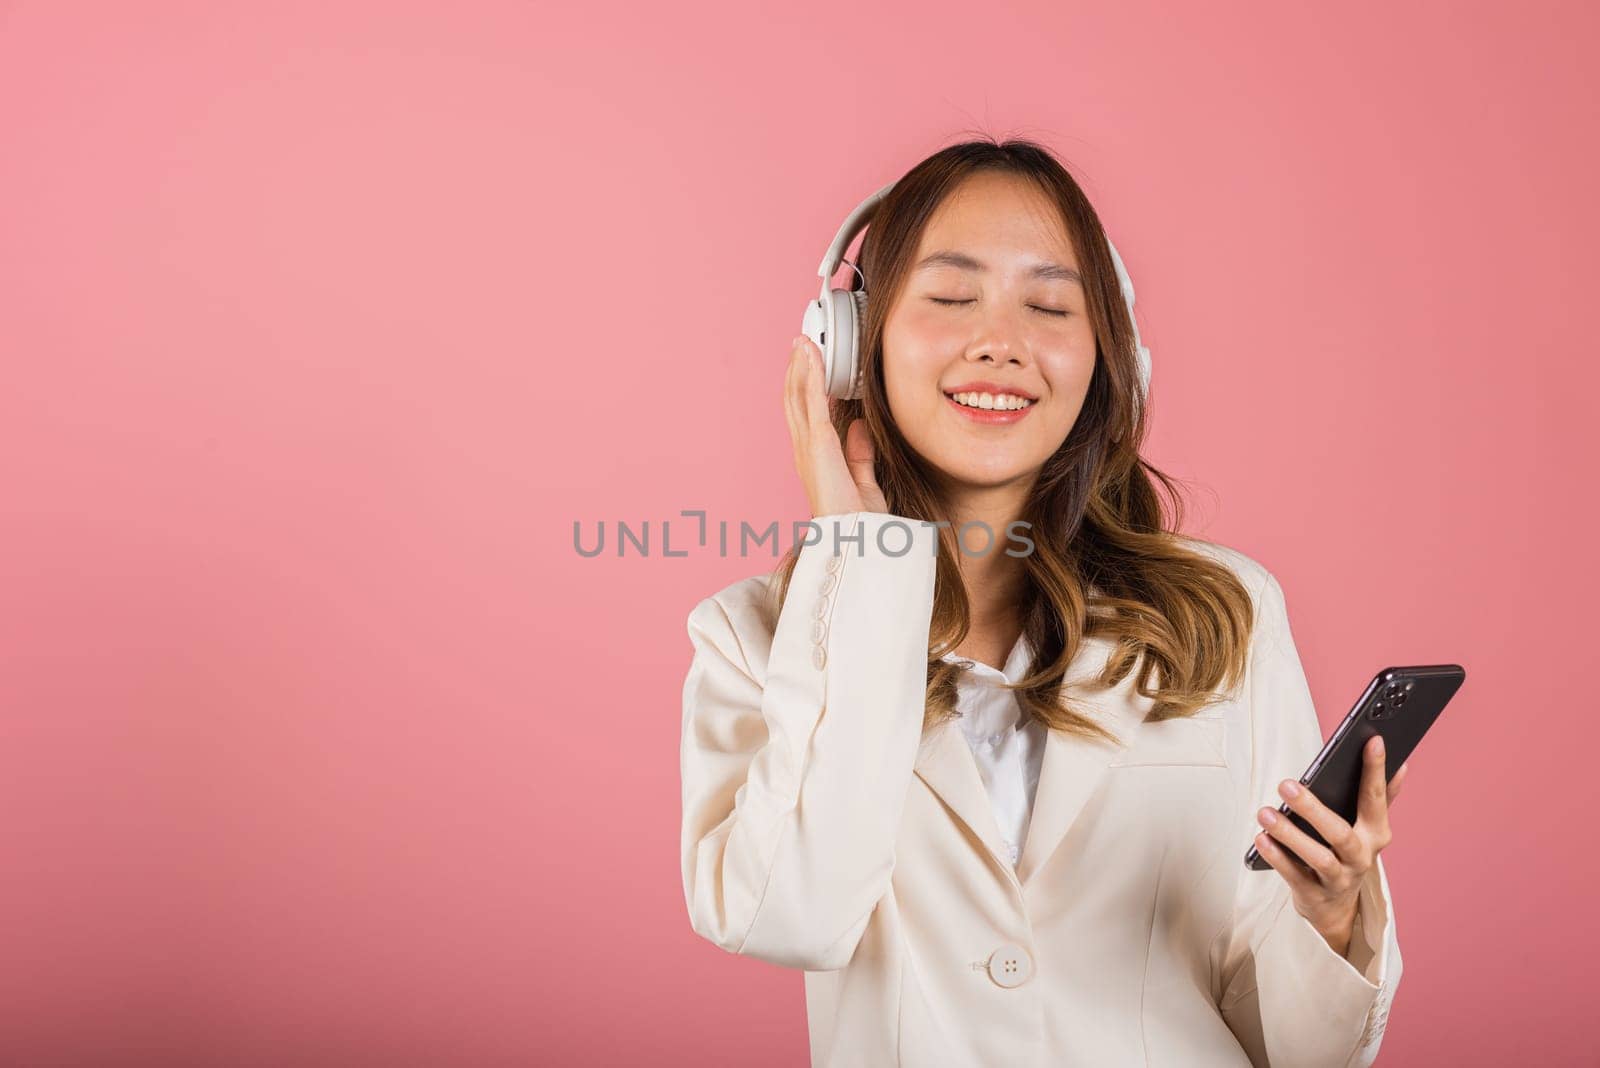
(833, 321)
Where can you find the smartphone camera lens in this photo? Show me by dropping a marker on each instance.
(1400, 698)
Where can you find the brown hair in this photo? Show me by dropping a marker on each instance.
(1106, 562)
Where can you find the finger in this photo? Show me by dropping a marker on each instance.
(797, 368)
(1316, 856)
(792, 381)
(816, 398)
(1335, 830)
(1293, 872)
(1396, 782)
(1372, 806)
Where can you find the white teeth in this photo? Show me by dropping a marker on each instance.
(1007, 402)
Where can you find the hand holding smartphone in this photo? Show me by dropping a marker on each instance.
(1400, 703)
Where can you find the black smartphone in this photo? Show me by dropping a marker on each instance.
(1399, 703)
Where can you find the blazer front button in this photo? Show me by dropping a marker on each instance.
(820, 609)
(1010, 966)
(819, 657)
(833, 564)
(819, 631)
(828, 581)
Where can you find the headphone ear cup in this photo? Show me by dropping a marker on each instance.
(858, 320)
(841, 353)
(818, 326)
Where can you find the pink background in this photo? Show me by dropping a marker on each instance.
(323, 323)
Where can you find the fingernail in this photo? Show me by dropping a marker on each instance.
(1290, 788)
(1268, 817)
(1377, 750)
(800, 341)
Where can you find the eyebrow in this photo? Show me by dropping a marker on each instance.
(964, 262)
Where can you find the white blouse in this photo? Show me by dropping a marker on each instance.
(1009, 756)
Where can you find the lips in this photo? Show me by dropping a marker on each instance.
(985, 386)
(989, 416)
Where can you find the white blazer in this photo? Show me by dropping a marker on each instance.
(823, 830)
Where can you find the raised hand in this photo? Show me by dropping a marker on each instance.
(838, 479)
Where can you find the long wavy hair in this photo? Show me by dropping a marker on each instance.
(1107, 559)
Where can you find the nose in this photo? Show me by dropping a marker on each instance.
(997, 354)
(996, 346)
(998, 359)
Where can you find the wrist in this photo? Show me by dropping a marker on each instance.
(1339, 932)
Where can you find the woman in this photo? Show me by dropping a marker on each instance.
(985, 757)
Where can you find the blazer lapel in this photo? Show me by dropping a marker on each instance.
(1068, 775)
(946, 764)
(1073, 765)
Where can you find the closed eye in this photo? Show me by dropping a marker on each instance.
(1035, 307)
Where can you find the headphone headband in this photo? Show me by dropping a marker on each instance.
(853, 224)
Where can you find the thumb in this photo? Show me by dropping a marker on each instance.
(858, 453)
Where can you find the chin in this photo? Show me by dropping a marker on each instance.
(986, 477)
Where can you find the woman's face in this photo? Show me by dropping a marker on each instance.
(996, 245)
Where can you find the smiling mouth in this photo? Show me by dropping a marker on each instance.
(1004, 409)
(991, 402)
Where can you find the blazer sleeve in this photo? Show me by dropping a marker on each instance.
(795, 770)
(1287, 996)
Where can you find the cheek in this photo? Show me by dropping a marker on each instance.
(1068, 365)
(912, 364)
(910, 391)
